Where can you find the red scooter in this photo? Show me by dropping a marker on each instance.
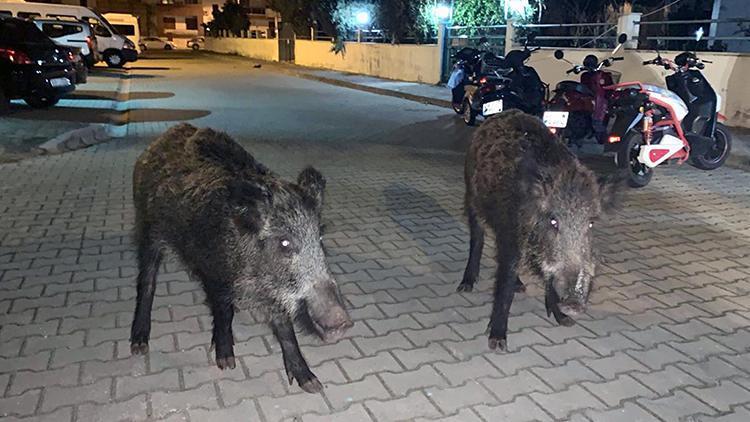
(585, 101)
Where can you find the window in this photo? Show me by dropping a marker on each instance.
(257, 11)
(101, 31)
(55, 30)
(169, 23)
(191, 22)
(124, 29)
(5, 13)
(28, 15)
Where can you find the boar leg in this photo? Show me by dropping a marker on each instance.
(476, 244)
(294, 363)
(505, 286)
(222, 310)
(551, 299)
(149, 259)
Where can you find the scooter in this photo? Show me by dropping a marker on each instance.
(585, 101)
(466, 71)
(654, 125)
(509, 85)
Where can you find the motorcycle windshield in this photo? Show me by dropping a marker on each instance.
(669, 97)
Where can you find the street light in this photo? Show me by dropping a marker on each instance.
(363, 17)
(442, 12)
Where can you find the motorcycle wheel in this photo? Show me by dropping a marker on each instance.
(457, 96)
(470, 116)
(639, 175)
(715, 157)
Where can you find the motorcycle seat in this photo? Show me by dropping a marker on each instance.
(574, 86)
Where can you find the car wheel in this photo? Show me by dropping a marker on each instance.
(113, 59)
(4, 103)
(718, 153)
(639, 175)
(41, 102)
(167, 47)
(196, 47)
(144, 47)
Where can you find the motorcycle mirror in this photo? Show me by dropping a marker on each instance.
(559, 54)
(622, 38)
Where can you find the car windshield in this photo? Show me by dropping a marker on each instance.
(14, 31)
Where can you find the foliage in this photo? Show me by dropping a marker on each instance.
(231, 18)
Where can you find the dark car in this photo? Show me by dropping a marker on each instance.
(32, 67)
(79, 64)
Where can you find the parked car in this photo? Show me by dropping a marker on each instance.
(32, 67)
(114, 49)
(196, 43)
(156, 43)
(79, 65)
(72, 33)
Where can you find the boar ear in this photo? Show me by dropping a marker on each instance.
(249, 200)
(611, 190)
(313, 184)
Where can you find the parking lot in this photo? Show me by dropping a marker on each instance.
(665, 338)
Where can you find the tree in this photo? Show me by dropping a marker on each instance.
(232, 17)
(397, 18)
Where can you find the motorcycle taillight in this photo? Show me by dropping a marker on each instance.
(14, 56)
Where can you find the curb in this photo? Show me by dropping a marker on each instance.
(95, 133)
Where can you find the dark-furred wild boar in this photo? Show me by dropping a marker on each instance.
(541, 203)
(251, 239)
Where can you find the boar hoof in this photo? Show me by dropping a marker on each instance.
(566, 321)
(465, 287)
(139, 348)
(498, 344)
(227, 362)
(312, 386)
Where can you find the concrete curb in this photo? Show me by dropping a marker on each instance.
(92, 134)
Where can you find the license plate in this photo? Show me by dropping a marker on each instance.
(493, 107)
(558, 119)
(58, 82)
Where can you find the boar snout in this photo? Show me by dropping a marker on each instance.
(327, 313)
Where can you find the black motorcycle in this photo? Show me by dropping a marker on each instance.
(505, 83)
(466, 71)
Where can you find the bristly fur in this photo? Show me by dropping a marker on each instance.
(537, 198)
(251, 238)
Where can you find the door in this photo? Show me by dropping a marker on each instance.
(286, 43)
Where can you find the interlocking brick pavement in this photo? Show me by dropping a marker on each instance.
(665, 338)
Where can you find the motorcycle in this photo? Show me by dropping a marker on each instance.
(506, 83)
(466, 69)
(653, 125)
(586, 101)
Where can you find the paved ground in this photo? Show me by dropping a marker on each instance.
(95, 102)
(666, 337)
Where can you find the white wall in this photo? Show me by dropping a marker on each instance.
(263, 49)
(728, 74)
(417, 63)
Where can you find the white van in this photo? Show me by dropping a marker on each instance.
(115, 49)
(126, 25)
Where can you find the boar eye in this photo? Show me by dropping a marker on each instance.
(554, 223)
(285, 244)
(591, 224)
